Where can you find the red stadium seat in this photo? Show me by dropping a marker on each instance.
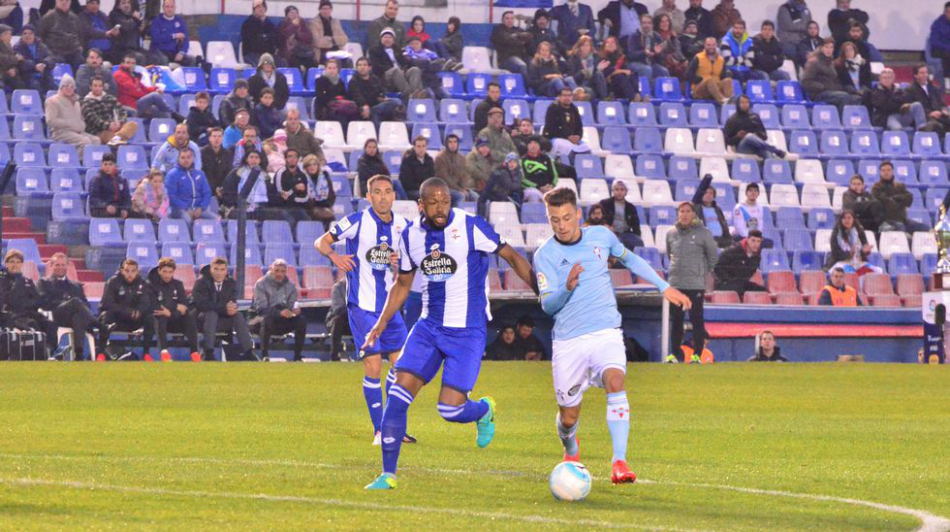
(912, 301)
(782, 282)
(318, 277)
(317, 293)
(852, 280)
(494, 281)
(878, 284)
(885, 300)
(251, 275)
(724, 297)
(93, 289)
(71, 272)
(910, 284)
(789, 298)
(514, 283)
(756, 298)
(186, 274)
(292, 275)
(757, 278)
(621, 278)
(812, 282)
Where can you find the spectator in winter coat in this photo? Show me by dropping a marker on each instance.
(201, 120)
(188, 192)
(166, 157)
(170, 36)
(708, 74)
(214, 299)
(849, 246)
(709, 213)
(736, 49)
(703, 18)
(853, 70)
(371, 163)
(492, 101)
(416, 167)
(147, 102)
(541, 32)
(621, 216)
(237, 99)
(940, 39)
(621, 81)
(216, 162)
(171, 313)
(393, 67)
(644, 50)
(768, 55)
(93, 68)
(574, 20)
(746, 134)
(294, 188)
(20, 301)
(150, 199)
(894, 198)
(450, 166)
(841, 19)
(94, 28)
(544, 73)
(258, 35)
(890, 108)
(738, 264)
(322, 195)
(540, 173)
(105, 117)
(265, 117)
(498, 139)
(64, 116)
(929, 96)
(453, 41)
(724, 17)
(126, 306)
(820, 79)
(235, 132)
(586, 68)
(858, 200)
(562, 124)
(328, 34)
(268, 76)
(387, 21)
(301, 139)
(809, 45)
(37, 65)
(480, 165)
(690, 41)
(524, 133)
(65, 299)
(275, 303)
(60, 30)
(793, 20)
(368, 93)
(128, 18)
(505, 184)
(296, 40)
(622, 17)
(109, 195)
(329, 103)
(511, 45)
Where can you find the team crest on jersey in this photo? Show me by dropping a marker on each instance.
(455, 233)
(438, 266)
(378, 255)
(598, 252)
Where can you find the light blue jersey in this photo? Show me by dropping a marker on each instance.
(591, 306)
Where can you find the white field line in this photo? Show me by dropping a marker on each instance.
(929, 522)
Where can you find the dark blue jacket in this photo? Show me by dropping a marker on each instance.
(162, 30)
(568, 24)
(266, 119)
(105, 190)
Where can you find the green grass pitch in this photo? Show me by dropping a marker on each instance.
(288, 446)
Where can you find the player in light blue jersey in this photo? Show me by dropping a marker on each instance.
(371, 238)
(449, 248)
(574, 280)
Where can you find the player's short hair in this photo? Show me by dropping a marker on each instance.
(217, 261)
(13, 254)
(755, 233)
(129, 262)
(166, 262)
(560, 196)
(838, 269)
(377, 178)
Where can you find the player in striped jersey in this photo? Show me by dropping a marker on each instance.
(449, 248)
(371, 238)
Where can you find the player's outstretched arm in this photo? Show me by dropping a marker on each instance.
(324, 245)
(644, 270)
(397, 296)
(520, 265)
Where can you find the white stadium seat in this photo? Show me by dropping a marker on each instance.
(618, 165)
(776, 137)
(502, 212)
(536, 234)
(646, 233)
(783, 196)
(823, 240)
(710, 142)
(872, 240)
(660, 240)
(406, 208)
(923, 242)
(478, 59)
(567, 182)
(679, 141)
(893, 242)
(594, 190)
(715, 166)
(331, 132)
(358, 132)
(837, 198)
(221, 54)
(656, 192)
(393, 136)
(592, 139)
(511, 232)
(809, 171)
(815, 195)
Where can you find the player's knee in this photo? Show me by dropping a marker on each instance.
(569, 416)
(372, 367)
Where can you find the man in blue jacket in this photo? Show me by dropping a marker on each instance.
(109, 195)
(167, 156)
(574, 20)
(188, 191)
(170, 35)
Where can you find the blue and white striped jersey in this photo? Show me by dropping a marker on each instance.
(371, 241)
(453, 264)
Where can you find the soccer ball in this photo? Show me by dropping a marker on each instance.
(570, 481)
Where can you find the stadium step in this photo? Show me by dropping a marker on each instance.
(7, 212)
(48, 250)
(39, 237)
(90, 276)
(14, 224)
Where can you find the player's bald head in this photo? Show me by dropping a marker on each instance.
(431, 186)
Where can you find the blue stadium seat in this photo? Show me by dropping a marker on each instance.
(902, 263)
(308, 232)
(662, 215)
(610, 114)
(294, 81)
(185, 103)
(160, 129)
(250, 232)
(539, 112)
(275, 232)
(3, 103)
(194, 79)
(105, 232)
(588, 166)
(821, 218)
(683, 168)
(798, 240)
(252, 255)
(769, 115)
(452, 111)
(895, 144)
(616, 139)
(59, 70)
(667, 89)
(92, 155)
(746, 170)
(464, 133)
(515, 109)
(869, 170)
(341, 186)
(789, 218)
(533, 213)
(807, 261)
(586, 111)
(32, 182)
(644, 86)
(776, 171)
(759, 90)
(839, 172)
(221, 80)
(865, 143)
(834, 143)
(725, 197)
(512, 86)
(173, 230)
(650, 166)
(65, 180)
(274, 251)
(803, 143)
(685, 189)
(5, 156)
(208, 251)
(647, 140)
(180, 252)
(725, 112)
(856, 117)
(905, 172)
(28, 154)
(393, 161)
(452, 84)
(651, 255)
(139, 230)
(208, 231)
(143, 252)
(642, 114)
(421, 110)
(673, 114)
(926, 144)
(132, 157)
(28, 127)
(68, 207)
(310, 79)
(920, 214)
(309, 256)
(63, 155)
(29, 248)
(918, 200)
(789, 92)
(430, 131)
(774, 259)
(4, 129)
(139, 137)
(934, 197)
(795, 116)
(299, 103)
(477, 84)
(26, 102)
(703, 115)
(928, 264)
(933, 173)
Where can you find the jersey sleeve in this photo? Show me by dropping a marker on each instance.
(485, 238)
(346, 228)
(406, 264)
(552, 295)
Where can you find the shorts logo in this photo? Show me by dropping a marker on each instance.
(438, 266)
(378, 256)
(573, 391)
(542, 281)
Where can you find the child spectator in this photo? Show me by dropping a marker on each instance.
(201, 120)
(453, 41)
(265, 117)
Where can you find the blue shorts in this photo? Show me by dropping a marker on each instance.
(429, 345)
(362, 321)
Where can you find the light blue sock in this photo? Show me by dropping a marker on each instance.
(374, 401)
(394, 426)
(618, 421)
(470, 412)
(568, 436)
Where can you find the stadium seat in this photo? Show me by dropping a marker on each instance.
(803, 261)
(221, 54)
(452, 84)
(724, 297)
(464, 133)
(923, 242)
(617, 140)
(393, 159)
(746, 170)
(821, 218)
(648, 166)
(895, 144)
(633, 190)
(648, 140)
(642, 114)
(910, 284)
(834, 143)
(452, 111)
(588, 166)
(65, 180)
(789, 299)
(139, 230)
(221, 80)
(716, 167)
(795, 116)
(105, 232)
(172, 230)
(26, 102)
(683, 168)
(905, 172)
(281, 250)
(725, 198)
(804, 143)
(92, 155)
(160, 129)
(68, 207)
(332, 134)
(685, 188)
(536, 234)
(893, 242)
(809, 171)
(132, 157)
(926, 144)
(477, 85)
(294, 81)
(502, 212)
(478, 59)
(429, 130)
(252, 254)
(194, 79)
(877, 284)
(856, 117)
(673, 115)
(902, 263)
(660, 237)
(839, 172)
(180, 252)
(759, 90)
(667, 89)
(610, 114)
(864, 143)
(28, 154)
(208, 231)
(756, 298)
(393, 136)
(781, 282)
(783, 195)
(27, 127)
(657, 192)
(933, 173)
(420, 110)
(815, 195)
(662, 215)
(812, 282)
(798, 240)
(276, 232)
(143, 252)
(769, 115)
(776, 138)
(703, 115)
(516, 110)
(934, 197)
(825, 117)
(208, 251)
(585, 110)
(31, 181)
(776, 171)
(789, 218)
(710, 142)
(533, 213)
(869, 170)
(920, 214)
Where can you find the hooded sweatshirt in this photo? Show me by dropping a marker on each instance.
(167, 156)
(271, 297)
